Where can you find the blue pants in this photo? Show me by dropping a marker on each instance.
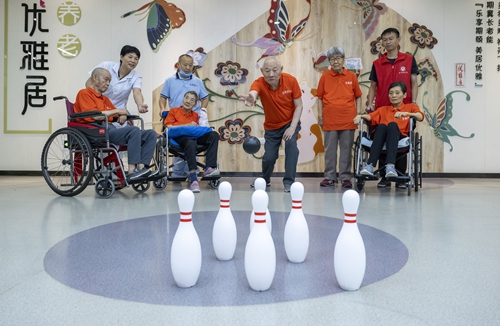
(140, 144)
(271, 147)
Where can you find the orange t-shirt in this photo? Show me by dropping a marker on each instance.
(385, 114)
(89, 100)
(178, 117)
(278, 104)
(339, 93)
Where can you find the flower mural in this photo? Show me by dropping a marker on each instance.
(198, 56)
(377, 48)
(231, 73)
(234, 132)
(426, 69)
(422, 36)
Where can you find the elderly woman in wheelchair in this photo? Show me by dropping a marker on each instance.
(183, 129)
(391, 123)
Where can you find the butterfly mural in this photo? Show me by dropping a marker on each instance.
(162, 18)
(281, 35)
(372, 9)
(439, 121)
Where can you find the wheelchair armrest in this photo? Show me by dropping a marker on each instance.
(87, 114)
(57, 98)
(136, 117)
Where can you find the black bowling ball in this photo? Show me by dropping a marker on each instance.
(251, 145)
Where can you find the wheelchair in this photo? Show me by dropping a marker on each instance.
(81, 154)
(411, 146)
(166, 149)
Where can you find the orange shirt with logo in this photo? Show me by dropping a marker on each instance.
(178, 117)
(385, 114)
(89, 100)
(339, 93)
(278, 104)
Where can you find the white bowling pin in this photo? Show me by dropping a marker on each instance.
(296, 229)
(224, 232)
(260, 253)
(185, 255)
(260, 183)
(349, 258)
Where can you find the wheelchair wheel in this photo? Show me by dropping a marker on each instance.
(67, 162)
(141, 187)
(214, 183)
(104, 187)
(160, 184)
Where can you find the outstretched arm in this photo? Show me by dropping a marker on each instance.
(250, 98)
(139, 100)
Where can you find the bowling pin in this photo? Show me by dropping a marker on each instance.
(296, 229)
(224, 231)
(260, 183)
(260, 253)
(185, 255)
(349, 258)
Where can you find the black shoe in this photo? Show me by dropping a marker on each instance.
(268, 184)
(384, 183)
(401, 185)
(136, 174)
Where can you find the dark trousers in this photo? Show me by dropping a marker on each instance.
(140, 144)
(271, 147)
(189, 146)
(388, 135)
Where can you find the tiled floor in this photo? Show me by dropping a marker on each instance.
(451, 229)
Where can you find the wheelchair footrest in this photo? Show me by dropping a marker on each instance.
(366, 177)
(178, 179)
(399, 178)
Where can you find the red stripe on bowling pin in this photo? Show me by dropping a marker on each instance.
(186, 219)
(224, 201)
(299, 202)
(260, 214)
(352, 220)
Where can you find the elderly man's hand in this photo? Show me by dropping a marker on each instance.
(122, 119)
(288, 133)
(249, 99)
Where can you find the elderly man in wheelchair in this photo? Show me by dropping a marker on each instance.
(140, 143)
(391, 123)
(183, 129)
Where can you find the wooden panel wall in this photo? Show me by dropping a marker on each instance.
(330, 23)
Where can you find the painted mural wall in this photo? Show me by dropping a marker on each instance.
(228, 40)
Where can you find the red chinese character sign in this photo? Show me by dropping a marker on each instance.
(460, 74)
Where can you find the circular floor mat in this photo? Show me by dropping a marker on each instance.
(130, 260)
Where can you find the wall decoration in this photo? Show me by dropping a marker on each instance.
(426, 69)
(69, 46)
(281, 35)
(162, 18)
(230, 73)
(234, 132)
(69, 13)
(331, 26)
(310, 142)
(422, 36)
(439, 121)
(372, 9)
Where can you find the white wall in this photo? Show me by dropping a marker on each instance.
(210, 22)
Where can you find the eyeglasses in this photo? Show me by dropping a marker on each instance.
(336, 59)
